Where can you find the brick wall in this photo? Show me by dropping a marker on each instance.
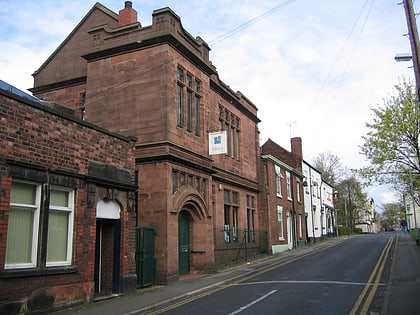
(35, 137)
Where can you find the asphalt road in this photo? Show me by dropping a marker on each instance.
(344, 279)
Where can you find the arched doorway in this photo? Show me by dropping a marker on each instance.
(107, 248)
(184, 242)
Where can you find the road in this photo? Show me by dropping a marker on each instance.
(344, 279)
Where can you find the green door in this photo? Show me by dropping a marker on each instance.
(145, 260)
(184, 242)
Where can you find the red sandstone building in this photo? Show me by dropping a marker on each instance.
(281, 199)
(157, 83)
(67, 210)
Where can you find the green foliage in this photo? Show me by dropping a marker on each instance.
(357, 231)
(391, 215)
(392, 143)
(344, 230)
(352, 200)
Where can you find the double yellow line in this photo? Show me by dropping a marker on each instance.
(373, 282)
(221, 287)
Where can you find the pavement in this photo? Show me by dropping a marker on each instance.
(400, 295)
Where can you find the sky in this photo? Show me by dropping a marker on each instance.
(314, 69)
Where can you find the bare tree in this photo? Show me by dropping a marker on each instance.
(330, 167)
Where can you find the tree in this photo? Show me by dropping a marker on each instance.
(392, 144)
(351, 201)
(330, 167)
(392, 214)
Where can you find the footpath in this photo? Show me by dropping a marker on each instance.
(401, 295)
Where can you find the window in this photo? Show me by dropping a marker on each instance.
(60, 227)
(300, 226)
(83, 105)
(232, 142)
(231, 213)
(278, 180)
(180, 74)
(174, 182)
(25, 229)
(226, 213)
(190, 180)
(250, 214)
(298, 191)
(197, 86)
(289, 186)
(235, 216)
(280, 222)
(229, 122)
(181, 180)
(197, 115)
(22, 231)
(188, 91)
(238, 143)
(180, 110)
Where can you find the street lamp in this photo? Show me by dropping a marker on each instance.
(403, 57)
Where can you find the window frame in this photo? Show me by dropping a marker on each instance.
(280, 227)
(279, 176)
(289, 185)
(35, 226)
(70, 225)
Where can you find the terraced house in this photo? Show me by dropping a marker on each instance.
(197, 148)
(281, 197)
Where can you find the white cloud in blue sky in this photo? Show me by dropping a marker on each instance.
(318, 66)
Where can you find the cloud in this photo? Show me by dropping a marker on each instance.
(313, 70)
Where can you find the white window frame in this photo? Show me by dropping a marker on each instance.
(280, 222)
(298, 191)
(70, 210)
(289, 185)
(300, 226)
(35, 227)
(278, 180)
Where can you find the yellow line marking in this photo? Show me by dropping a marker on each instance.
(377, 270)
(241, 279)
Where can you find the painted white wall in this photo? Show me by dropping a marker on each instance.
(312, 199)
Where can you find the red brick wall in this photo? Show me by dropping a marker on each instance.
(43, 139)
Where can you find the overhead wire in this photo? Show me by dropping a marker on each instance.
(249, 23)
(226, 35)
(339, 56)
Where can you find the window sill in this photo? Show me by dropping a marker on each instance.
(36, 272)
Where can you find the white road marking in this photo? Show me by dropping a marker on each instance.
(309, 282)
(252, 303)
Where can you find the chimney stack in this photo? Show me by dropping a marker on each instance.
(297, 146)
(127, 15)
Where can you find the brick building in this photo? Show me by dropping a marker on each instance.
(157, 83)
(67, 210)
(281, 199)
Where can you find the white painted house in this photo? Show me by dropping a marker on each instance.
(312, 200)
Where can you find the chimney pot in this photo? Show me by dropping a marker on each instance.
(127, 15)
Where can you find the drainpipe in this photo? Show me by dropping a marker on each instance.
(312, 207)
(293, 209)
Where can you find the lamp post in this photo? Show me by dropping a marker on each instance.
(414, 209)
(415, 55)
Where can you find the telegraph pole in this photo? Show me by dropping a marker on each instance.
(414, 41)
